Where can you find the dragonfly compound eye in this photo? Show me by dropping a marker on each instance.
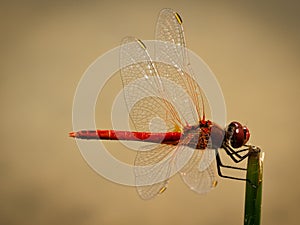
(236, 134)
(246, 134)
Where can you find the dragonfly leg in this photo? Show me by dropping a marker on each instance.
(233, 153)
(242, 150)
(219, 165)
(226, 166)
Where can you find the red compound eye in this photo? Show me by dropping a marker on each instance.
(238, 135)
(246, 134)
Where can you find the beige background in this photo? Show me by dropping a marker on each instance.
(253, 49)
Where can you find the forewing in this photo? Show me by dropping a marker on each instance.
(169, 29)
(172, 50)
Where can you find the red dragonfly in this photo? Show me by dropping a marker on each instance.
(175, 121)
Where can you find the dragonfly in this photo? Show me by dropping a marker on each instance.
(173, 125)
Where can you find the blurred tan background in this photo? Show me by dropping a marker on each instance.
(253, 49)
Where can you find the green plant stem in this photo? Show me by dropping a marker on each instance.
(254, 188)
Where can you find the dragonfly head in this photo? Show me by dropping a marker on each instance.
(237, 134)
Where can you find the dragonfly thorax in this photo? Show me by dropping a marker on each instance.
(198, 136)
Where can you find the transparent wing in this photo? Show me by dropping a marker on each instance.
(145, 88)
(156, 166)
(153, 114)
(153, 168)
(199, 173)
(163, 96)
(169, 29)
(149, 169)
(172, 50)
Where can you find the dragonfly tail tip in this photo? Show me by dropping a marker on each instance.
(72, 134)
